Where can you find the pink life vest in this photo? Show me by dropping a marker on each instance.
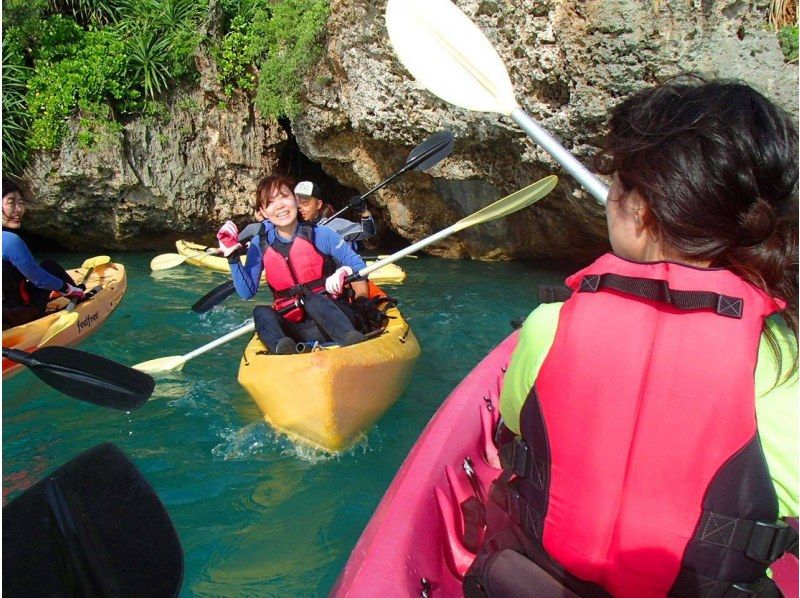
(643, 471)
(287, 273)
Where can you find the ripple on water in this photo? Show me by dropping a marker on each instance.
(259, 442)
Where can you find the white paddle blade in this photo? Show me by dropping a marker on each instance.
(447, 53)
(161, 365)
(165, 261)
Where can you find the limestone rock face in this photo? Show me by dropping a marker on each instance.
(158, 180)
(570, 61)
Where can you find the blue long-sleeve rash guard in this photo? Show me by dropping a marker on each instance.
(16, 252)
(246, 277)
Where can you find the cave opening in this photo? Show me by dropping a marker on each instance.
(294, 163)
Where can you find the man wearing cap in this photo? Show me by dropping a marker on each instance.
(311, 208)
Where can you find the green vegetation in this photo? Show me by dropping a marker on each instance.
(269, 47)
(106, 60)
(15, 114)
(788, 38)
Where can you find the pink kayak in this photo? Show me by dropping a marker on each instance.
(422, 538)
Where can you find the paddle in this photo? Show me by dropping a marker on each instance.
(87, 377)
(165, 261)
(502, 207)
(214, 297)
(447, 54)
(68, 317)
(426, 155)
(93, 527)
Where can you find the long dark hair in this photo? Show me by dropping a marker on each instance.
(716, 163)
(10, 186)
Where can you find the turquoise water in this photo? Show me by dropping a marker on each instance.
(255, 514)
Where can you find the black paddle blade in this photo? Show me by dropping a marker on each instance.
(88, 377)
(94, 527)
(431, 151)
(214, 297)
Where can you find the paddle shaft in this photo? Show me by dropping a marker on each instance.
(549, 144)
(74, 301)
(379, 186)
(18, 356)
(411, 164)
(247, 328)
(453, 228)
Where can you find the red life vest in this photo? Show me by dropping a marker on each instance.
(641, 470)
(292, 269)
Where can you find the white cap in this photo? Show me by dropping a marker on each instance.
(307, 189)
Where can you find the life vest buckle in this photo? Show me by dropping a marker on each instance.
(520, 457)
(514, 457)
(768, 541)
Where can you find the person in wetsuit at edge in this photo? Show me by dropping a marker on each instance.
(27, 285)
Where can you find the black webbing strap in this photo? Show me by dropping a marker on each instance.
(553, 293)
(691, 584)
(762, 541)
(299, 289)
(659, 290)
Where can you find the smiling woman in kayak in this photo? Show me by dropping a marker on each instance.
(27, 285)
(657, 406)
(300, 261)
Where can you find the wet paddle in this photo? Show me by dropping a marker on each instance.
(87, 377)
(451, 57)
(93, 527)
(426, 155)
(214, 297)
(502, 207)
(165, 261)
(68, 317)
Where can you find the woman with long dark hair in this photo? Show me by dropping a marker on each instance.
(655, 411)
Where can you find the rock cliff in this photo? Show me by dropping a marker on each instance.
(570, 62)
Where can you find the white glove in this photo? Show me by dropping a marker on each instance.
(72, 292)
(334, 284)
(228, 236)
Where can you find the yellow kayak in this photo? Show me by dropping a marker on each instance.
(329, 397)
(91, 314)
(389, 274)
